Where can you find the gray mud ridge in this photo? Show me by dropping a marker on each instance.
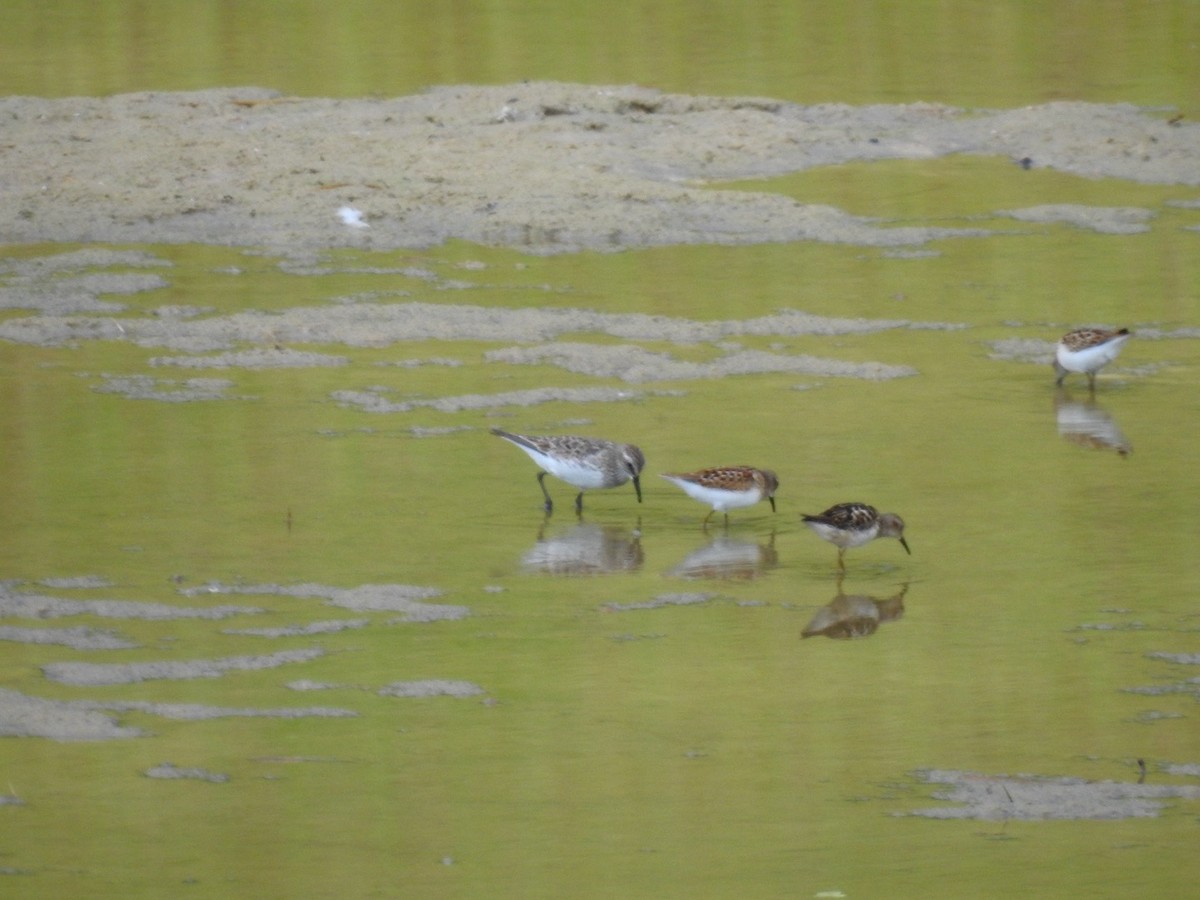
(171, 771)
(389, 598)
(91, 674)
(374, 401)
(66, 283)
(253, 339)
(24, 716)
(397, 598)
(1037, 798)
(327, 627)
(143, 387)
(20, 605)
(87, 720)
(535, 332)
(374, 325)
(76, 583)
(633, 364)
(1105, 220)
(1025, 350)
(197, 712)
(543, 167)
(429, 687)
(75, 638)
(256, 358)
(434, 687)
(1184, 686)
(687, 598)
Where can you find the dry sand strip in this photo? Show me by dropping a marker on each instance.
(542, 167)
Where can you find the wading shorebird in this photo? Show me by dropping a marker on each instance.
(854, 524)
(586, 463)
(727, 487)
(1088, 350)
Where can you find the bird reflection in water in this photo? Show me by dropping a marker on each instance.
(586, 549)
(728, 559)
(1087, 424)
(849, 616)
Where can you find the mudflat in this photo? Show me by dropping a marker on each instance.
(542, 167)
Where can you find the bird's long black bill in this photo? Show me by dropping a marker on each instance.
(772, 499)
(904, 544)
(637, 486)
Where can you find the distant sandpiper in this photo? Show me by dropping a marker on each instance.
(1088, 350)
(854, 524)
(586, 463)
(727, 487)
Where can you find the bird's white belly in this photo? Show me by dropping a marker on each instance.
(719, 499)
(574, 472)
(844, 538)
(1092, 358)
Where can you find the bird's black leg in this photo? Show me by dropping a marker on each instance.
(545, 493)
(579, 504)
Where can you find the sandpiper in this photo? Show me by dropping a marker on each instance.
(1088, 350)
(727, 487)
(586, 463)
(854, 524)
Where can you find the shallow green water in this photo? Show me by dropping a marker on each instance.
(681, 750)
(974, 54)
(696, 748)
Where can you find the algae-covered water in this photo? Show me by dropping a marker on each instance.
(622, 703)
(280, 617)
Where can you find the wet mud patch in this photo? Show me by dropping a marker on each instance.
(256, 340)
(1192, 770)
(88, 720)
(92, 674)
(406, 599)
(76, 582)
(73, 282)
(431, 688)
(1040, 798)
(197, 712)
(1186, 686)
(328, 627)
(15, 603)
(374, 325)
(75, 638)
(257, 358)
(1105, 220)
(688, 598)
(1023, 350)
(635, 365)
(24, 716)
(166, 390)
(375, 400)
(170, 771)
